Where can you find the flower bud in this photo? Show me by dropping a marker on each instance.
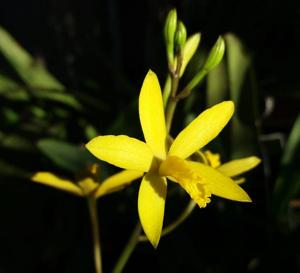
(189, 50)
(180, 36)
(215, 55)
(169, 33)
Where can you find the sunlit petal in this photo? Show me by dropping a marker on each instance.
(122, 151)
(219, 184)
(152, 115)
(151, 206)
(117, 182)
(202, 130)
(239, 166)
(54, 181)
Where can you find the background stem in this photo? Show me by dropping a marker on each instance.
(130, 246)
(92, 204)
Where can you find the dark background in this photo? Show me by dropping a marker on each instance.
(104, 49)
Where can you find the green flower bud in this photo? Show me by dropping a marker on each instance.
(215, 55)
(180, 36)
(189, 50)
(169, 33)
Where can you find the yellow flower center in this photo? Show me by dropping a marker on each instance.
(88, 185)
(186, 176)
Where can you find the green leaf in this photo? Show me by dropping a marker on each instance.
(42, 83)
(8, 169)
(15, 142)
(65, 155)
(53, 95)
(31, 71)
(287, 185)
(217, 85)
(242, 91)
(11, 90)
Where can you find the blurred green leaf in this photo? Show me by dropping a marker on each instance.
(31, 71)
(217, 85)
(11, 116)
(42, 83)
(11, 90)
(65, 155)
(287, 185)
(53, 95)
(8, 169)
(15, 142)
(242, 91)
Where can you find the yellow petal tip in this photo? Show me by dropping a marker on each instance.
(230, 104)
(151, 74)
(256, 160)
(247, 199)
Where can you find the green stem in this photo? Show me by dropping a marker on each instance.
(172, 100)
(170, 113)
(192, 84)
(92, 204)
(167, 90)
(181, 218)
(129, 248)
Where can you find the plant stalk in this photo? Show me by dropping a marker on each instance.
(129, 248)
(92, 204)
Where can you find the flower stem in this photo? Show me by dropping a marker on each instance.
(192, 84)
(170, 113)
(180, 219)
(167, 90)
(172, 99)
(127, 251)
(92, 204)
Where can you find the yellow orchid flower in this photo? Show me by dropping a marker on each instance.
(88, 186)
(232, 168)
(159, 161)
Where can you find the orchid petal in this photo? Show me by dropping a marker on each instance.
(152, 116)
(151, 206)
(202, 130)
(122, 151)
(117, 182)
(54, 181)
(219, 184)
(239, 166)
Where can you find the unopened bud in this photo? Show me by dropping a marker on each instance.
(215, 55)
(169, 33)
(180, 36)
(189, 50)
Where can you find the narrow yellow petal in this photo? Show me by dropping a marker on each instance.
(117, 182)
(151, 206)
(239, 166)
(152, 115)
(202, 130)
(54, 181)
(219, 184)
(122, 151)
